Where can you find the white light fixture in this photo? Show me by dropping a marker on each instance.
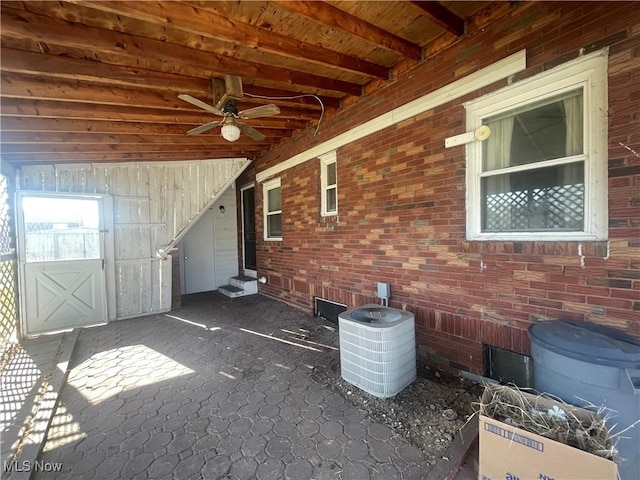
(230, 132)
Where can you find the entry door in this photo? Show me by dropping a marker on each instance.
(249, 257)
(199, 256)
(61, 257)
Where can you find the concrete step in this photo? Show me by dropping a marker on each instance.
(231, 291)
(248, 284)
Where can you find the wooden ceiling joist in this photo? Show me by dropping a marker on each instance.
(35, 27)
(90, 81)
(124, 138)
(66, 68)
(177, 156)
(331, 16)
(442, 16)
(19, 87)
(43, 124)
(28, 107)
(201, 22)
(88, 148)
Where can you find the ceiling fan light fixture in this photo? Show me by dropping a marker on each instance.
(230, 132)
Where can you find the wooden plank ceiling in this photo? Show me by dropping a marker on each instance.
(98, 81)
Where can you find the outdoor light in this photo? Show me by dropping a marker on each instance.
(230, 132)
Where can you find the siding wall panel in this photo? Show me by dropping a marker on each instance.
(152, 203)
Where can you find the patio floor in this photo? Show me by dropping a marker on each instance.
(215, 389)
(220, 388)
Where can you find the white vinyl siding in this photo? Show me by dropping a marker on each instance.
(154, 206)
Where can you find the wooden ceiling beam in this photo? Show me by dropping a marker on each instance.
(334, 17)
(167, 156)
(122, 138)
(18, 24)
(209, 25)
(39, 148)
(31, 108)
(14, 86)
(67, 68)
(35, 124)
(441, 15)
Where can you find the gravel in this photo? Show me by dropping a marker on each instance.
(428, 413)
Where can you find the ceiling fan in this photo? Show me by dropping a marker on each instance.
(229, 92)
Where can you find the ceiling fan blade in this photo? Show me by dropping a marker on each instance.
(250, 131)
(199, 103)
(205, 127)
(261, 111)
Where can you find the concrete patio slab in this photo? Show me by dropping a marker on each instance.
(215, 389)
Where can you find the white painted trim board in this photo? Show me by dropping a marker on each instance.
(472, 82)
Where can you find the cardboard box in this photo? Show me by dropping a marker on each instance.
(510, 453)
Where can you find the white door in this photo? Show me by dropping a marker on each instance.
(210, 249)
(198, 259)
(61, 257)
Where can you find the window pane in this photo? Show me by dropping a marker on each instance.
(540, 131)
(331, 174)
(274, 225)
(61, 229)
(331, 200)
(274, 200)
(544, 199)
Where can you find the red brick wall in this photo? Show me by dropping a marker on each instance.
(401, 199)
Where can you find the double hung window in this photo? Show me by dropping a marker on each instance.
(272, 202)
(329, 184)
(541, 174)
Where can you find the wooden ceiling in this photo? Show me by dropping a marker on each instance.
(98, 81)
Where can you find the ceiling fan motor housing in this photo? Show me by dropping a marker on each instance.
(231, 108)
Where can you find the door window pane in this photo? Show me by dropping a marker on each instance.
(61, 229)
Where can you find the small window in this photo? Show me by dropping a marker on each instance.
(329, 184)
(540, 174)
(272, 210)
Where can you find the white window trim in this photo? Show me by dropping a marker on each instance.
(327, 159)
(266, 187)
(590, 72)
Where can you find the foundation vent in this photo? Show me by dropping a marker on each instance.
(328, 310)
(506, 366)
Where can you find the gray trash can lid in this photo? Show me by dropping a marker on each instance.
(588, 342)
